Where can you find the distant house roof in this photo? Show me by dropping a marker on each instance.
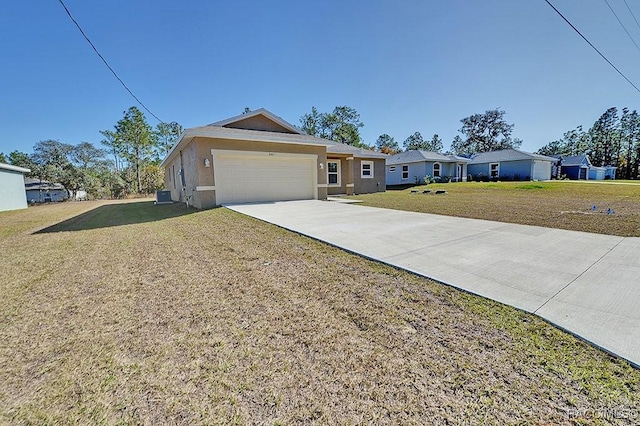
(576, 160)
(13, 168)
(416, 156)
(507, 155)
(31, 184)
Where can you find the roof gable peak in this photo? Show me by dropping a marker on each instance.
(260, 119)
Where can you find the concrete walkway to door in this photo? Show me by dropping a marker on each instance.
(588, 284)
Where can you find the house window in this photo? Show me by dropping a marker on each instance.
(405, 172)
(174, 172)
(333, 172)
(366, 169)
(436, 169)
(392, 169)
(494, 169)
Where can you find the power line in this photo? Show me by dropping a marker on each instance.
(632, 14)
(106, 63)
(622, 25)
(590, 44)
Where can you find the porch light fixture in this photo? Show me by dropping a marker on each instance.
(207, 163)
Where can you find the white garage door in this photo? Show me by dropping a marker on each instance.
(541, 170)
(245, 177)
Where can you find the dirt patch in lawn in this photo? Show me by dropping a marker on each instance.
(612, 209)
(162, 315)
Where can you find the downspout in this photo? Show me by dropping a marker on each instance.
(183, 193)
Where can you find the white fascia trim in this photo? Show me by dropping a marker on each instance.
(260, 111)
(206, 188)
(14, 168)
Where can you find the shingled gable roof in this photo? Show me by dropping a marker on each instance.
(576, 160)
(416, 156)
(342, 148)
(224, 130)
(39, 184)
(507, 155)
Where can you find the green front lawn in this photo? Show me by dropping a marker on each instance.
(558, 204)
(131, 313)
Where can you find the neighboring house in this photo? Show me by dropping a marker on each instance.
(610, 172)
(575, 166)
(259, 157)
(43, 191)
(412, 166)
(12, 195)
(579, 167)
(511, 164)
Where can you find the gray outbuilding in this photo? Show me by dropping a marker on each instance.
(12, 194)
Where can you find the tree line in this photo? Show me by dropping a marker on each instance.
(129, 163)
(482, 132)
(613, 140)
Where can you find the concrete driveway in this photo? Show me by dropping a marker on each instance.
(588, 284)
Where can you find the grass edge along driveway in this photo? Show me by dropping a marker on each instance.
(567, 205)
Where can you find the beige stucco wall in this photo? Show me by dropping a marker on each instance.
(350, 176)
(366, 185)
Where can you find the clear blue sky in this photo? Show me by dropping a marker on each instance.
(406, 66)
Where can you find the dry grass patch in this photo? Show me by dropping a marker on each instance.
(136, 313)
(558, 204)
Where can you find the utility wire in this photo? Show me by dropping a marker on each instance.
(106, 63)
(632, 14)
(621, 24)
(590, 44)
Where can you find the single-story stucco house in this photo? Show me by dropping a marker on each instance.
(12, 195)
(579, 167)
(511, 164)
(412, 166)
(43, 191)
(259, 157)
